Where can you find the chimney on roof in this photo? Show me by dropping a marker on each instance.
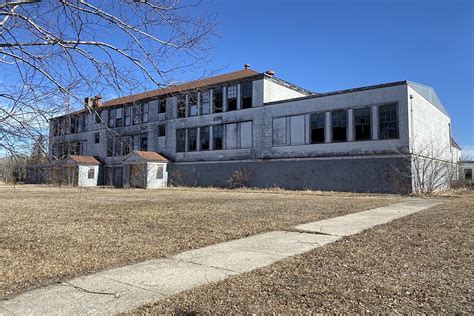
(270, 73)
(97, 101)
(247, 66)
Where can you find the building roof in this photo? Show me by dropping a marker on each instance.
(83, 160)
(146, 155)
(454, 144)
(195, 84)
(429, 94)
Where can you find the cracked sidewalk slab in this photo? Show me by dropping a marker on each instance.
(121, 289)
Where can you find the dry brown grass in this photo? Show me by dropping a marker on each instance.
(49, 234)
(420, 264)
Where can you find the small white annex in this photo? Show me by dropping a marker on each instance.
(467, 168)
(145, 169)
(81, 171)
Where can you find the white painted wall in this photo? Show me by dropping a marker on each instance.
(276, 92)
(83, 179)
(152, 181)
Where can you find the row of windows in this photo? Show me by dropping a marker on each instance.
(128, 115)
(71, 148)
(122, 146)
(69, 125)
(290, 130)
(215, 137)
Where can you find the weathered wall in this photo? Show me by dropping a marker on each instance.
(355, 174)
(83, 179)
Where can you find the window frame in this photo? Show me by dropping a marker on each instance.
(89, 177)
(311, 128)
(232, 97)
(180, 147)
(219, 140)
(334, 126)
(396, 122)
(161, 130)
(192, 144)
(218, 99)
(245, 87)
(204, 140)
(369, 124)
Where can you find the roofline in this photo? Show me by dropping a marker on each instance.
(319, 95)
(289, 84)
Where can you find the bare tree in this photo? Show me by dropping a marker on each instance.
(55, 52)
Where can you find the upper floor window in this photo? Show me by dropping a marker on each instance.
(111, 118)
(98, 116)
(205, 102)
(362, 124)
(217, 100)
(204, 138)
(180, 140)
(127, 116)
(218, 137)
(161, 130)
(162, 105)
(96, 138)
(144, 112)
(181, 105)
(388, 121)
(232, 98)
(246, 92)
(318, 123)
(136, 114)
(192, 139)
(118, 118)
(193, 103)
(144, 141)
(339, 126)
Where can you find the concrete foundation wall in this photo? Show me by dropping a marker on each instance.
(355, 174)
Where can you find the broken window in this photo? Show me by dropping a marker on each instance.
(339, 126)
(127, 116)
(246, 92)
(246, 135)
(217, 100)
(318, 124)
(218, 137)
(161, 130)
(205, 102)
(388, 121)
(91, 173)
(96, 138)
(204, 138)
(193, 103)
(180, 140)
(181, 105)
(362, 125)
(159, 172)
(192, 139)
(232, 98)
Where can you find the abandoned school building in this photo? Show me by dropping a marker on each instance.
(274, 133)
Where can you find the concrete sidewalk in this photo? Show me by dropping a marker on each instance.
(121, 289)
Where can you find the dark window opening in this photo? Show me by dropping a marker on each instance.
(98, 116)
(118, 118)
(204, 138)
(161, 130)
(246, 92)
(91, 173)
(162, 105)
(192, 139)
(159, 172)
(468, 174)
(111, 118)
(217, 100)
(388, 121)
(232, 98)
(180, 140)
(182, 105)
(136, 114)
(362, 124)
(144, 142)
(339, 126)
(218, 137)
(318, 123)
(144, 112)
(97, 138)
(110, 147)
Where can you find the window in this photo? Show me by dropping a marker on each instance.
(217, 100)
(110, 147)
(98, 116)
(468, 174)
(205, 102)
(192, 139)
(96, 138)
(91, 173)
(231, 136)
(162, 105)
(127, 144)
(136, 114)
(117, 147)
(161, 130)
(111, 118)
(246, 92)
(279, 131)
(232, 98)
(318, 124)
(362, 126)
(180, 140)
(193, 103)
(181, 105)
(118, 118)
(144, 112)
(218, 137)
(144, 142)
(127, 116)
(159, 172)
(204, 138)
(83, 123)
(297, 130)
(246, 135)
(388, 121)
(339, 126)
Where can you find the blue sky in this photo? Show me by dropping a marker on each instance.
(326, 45)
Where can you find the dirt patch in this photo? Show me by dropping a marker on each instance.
(49, 234)
(418, 264)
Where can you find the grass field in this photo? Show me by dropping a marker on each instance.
(50, 234)
(420, 264)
